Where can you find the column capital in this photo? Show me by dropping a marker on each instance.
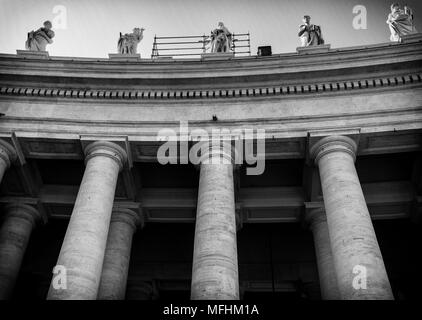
(126, 215)
(314, 213)
(23, 211)
(106, 149)
(333, 143)
(7, 153)
(217, 152)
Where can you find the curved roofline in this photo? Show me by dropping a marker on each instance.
(352, 57)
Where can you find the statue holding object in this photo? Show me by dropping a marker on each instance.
(400, 22)
(128, 43)
(38, 40)
(310, 34)
(221, 39)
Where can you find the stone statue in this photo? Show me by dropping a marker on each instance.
(310, 34)
(221, 39)
(400, 22)
(38, 40)
(128, 42)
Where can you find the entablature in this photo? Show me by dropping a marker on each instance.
(346, 69)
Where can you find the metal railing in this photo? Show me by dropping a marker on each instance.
(191, 46)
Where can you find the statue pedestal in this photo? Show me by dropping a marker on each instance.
(33, 54)
(124, 57)
(163, 58)
(411, 38)
(217, 56)
(314, 49)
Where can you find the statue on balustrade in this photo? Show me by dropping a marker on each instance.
(38, 40)
(128, 43)
(310, 34)
(221, 39)
(400, 22)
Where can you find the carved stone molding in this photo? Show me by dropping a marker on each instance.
(251, 92)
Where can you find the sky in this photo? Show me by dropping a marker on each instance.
(90, 28)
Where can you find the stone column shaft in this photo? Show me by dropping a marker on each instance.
(83, 248)
(352, 236)
(326, 271)
(7, 156)
(117, 255)
(3, 168)
(18, 223)
(215, 267)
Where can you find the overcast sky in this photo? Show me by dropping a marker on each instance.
(92, 26)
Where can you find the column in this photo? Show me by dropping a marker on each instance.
(83, 247)
(117, 255)
(327, 276)
(353, 242)
(18, 222)
(215, 269)
(7, 156)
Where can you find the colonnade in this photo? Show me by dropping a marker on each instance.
(97, 244)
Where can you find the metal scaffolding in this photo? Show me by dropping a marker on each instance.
(191, 46)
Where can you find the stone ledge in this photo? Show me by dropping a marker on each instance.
(158, 58)
(124, 57)
(217, 56)
(245, 66)
(314, 49)
(417, 37)
(33, 54)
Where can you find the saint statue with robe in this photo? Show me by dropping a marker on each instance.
(400, 22)
(310, 34)
(38, 40)
(221, 39)
(128, 42)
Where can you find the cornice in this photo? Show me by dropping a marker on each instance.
(383, 66)
(309, 88)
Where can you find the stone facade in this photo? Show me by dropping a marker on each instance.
(343, 142)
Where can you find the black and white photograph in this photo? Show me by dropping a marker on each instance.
(210, 158)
